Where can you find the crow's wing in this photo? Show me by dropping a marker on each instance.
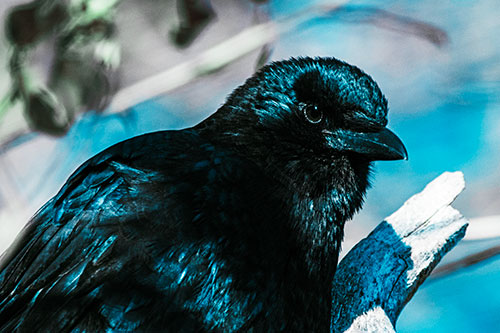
(94, 257)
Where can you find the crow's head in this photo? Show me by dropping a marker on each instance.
(315, 123)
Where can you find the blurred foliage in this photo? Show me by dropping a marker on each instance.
(86, 57)
(84, 71)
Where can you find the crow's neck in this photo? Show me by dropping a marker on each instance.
(318, 193)
(319, 206)
(317, 214)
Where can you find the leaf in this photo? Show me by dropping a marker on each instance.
(45, 113)
(195, 15)
(27, 23)
(21, 26)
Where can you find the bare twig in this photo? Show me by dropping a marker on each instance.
(483, 228)
(391, 21)
(213, 59)
(480, 228)
(465, 262)
(257, 37)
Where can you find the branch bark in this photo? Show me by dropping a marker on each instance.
(381, 273)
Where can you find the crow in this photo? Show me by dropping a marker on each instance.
(234, 224)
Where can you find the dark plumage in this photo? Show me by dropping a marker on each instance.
(230, 225)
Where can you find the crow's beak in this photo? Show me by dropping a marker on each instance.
(376, 146)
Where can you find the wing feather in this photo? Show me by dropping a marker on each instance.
(66, 250)
(126, 244)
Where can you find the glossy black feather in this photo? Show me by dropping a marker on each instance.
(234, 224)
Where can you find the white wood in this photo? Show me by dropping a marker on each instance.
(382, 272)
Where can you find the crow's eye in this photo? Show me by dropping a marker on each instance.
(312, 113)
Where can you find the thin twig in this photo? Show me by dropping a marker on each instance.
(213, 59)
(467, 261)
(483, 228)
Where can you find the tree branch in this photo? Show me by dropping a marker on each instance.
(382, 272)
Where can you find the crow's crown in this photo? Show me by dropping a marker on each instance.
(340, 94)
